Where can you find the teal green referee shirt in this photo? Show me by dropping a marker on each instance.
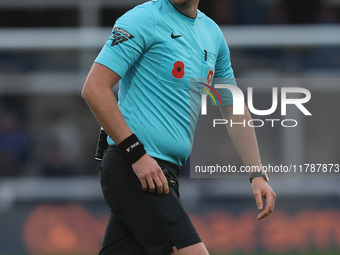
(157, 51)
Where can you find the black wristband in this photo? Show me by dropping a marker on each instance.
(262, 174)
(133, 149)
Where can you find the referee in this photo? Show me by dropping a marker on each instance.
(154, 50)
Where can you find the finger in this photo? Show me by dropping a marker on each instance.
(259, 201)
(164, 182)
(144, 184)
(151, 184)
(269, 206)
(159, 184)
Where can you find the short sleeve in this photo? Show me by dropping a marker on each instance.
(224, 73)
(132, 35)
(223, 67)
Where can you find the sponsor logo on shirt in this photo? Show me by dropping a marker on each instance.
(175, 36)
(119, 36)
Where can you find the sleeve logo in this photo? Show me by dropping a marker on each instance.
(119, 36)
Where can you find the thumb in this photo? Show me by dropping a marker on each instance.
(258, 199)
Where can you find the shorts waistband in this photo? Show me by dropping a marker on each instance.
(171, 166)
(163, 163)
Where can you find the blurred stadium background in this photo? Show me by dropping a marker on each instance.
(50, 198)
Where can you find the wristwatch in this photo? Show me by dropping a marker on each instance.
(262, 174)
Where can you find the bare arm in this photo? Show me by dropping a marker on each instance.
(245, 142)
(98, 95)
(244, 138)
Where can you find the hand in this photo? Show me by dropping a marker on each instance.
(150, 173)
(262, 189)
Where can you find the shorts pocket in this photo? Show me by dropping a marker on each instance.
(172, 181)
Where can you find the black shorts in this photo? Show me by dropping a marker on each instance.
(141, 222)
